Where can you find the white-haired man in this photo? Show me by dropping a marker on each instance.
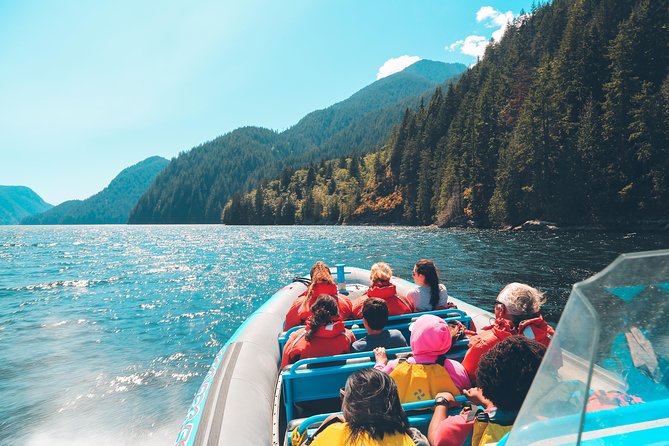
(517, 312)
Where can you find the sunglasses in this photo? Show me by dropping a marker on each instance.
(499, 303)
(414, 273)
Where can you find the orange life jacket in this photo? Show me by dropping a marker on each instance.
(331, 339)
(388, 292)
(297, 315)
(420, 382)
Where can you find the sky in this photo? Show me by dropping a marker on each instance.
(90, 88)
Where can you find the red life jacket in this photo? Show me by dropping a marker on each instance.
(296, 315)
(484, 341)
(388, 292)
(537, 329)
(331, 339)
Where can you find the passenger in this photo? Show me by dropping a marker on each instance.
(321, 283)
(381, 287)
(423, 375)
(324, 334)
(505, 374)
(371, 415)
(375, 318)
(516, 312)
(430, 294)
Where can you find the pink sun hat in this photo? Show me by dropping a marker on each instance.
(430, 338)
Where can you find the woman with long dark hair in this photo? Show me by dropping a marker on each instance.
(430, 294)
(323, 335)
(372, 415)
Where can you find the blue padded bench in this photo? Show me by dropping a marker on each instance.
(400, 322)
(315, 379)
(419, 420)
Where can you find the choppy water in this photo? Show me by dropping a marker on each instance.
(107, 331)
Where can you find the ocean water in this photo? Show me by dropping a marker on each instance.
(107, 331)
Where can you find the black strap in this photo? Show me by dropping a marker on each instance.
(323, 426)
(303, 280)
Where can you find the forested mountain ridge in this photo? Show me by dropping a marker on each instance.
(197, 184)
(18, 202)
(109, 206)
(566, 120)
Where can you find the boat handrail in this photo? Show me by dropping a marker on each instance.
(341, 359)
(408, 407)
(394, 322)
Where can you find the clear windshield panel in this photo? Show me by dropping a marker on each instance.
(610, 353)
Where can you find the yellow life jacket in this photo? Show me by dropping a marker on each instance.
(338, 434)
(487, 430)
(421, 382)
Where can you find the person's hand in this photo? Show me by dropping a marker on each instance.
(475, 396)
(380, 355)
(448, 396)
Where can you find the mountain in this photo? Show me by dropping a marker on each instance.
(17, 202)
(110, 206)
(565, 120)
(197, 184)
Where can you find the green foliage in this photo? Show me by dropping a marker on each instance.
(195, 186)
(566, 119)
(110, 206)
(19, 202)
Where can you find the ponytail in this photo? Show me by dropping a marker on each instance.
(323, 311)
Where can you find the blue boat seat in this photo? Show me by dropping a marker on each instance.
(400, 322)
(419, 417)
(319, 379)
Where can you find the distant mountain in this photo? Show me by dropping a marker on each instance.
(18, 202)
(565, 120)
(110, 206)
(196, 185)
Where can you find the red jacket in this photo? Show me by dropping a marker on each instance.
(386, 291)
(332, 339)
(298, 316)
(486, 339)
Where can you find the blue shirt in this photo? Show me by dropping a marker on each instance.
(387, 339)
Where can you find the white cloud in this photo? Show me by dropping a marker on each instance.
(396, 65)
(491, 18)
(471, 46)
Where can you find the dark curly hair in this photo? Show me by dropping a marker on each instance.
(323, 311)
(371, 406)
(507, 370)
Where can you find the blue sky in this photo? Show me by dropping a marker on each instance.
(89, 88)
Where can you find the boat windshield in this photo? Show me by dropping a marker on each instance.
(610, 351)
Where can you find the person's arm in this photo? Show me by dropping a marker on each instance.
(439, 415)
(475, 396)
(380, 357)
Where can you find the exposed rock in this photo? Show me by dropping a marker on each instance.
(536, 225)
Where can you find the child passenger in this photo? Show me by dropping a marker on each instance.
(375, 318)
(504, 375)
(324, 334)
(423, 375)
(380, 275)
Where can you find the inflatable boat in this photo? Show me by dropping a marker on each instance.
(612, 342)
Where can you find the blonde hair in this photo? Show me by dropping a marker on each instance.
(380, 272)
(320, 273)
(521, 299)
